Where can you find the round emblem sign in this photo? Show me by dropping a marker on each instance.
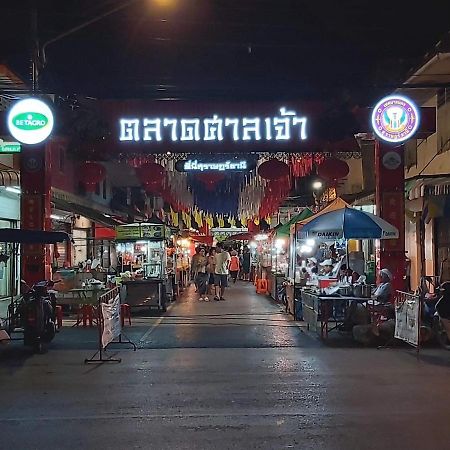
(395, 119)
(392, 160)
(30, 121)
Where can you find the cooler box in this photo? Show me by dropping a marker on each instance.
(326, 282)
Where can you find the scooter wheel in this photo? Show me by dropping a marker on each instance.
(441, 335)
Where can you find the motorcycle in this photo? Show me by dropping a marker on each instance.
(442, 316)
(37, 309)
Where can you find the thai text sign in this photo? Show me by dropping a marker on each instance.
(285, 126)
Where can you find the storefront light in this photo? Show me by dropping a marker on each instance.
(279, 243)
(306, 249)
(310, 242)
(253, 244)
(261, 237)
(317, 185)
(56, 217)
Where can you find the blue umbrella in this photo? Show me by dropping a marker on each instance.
(348, 223)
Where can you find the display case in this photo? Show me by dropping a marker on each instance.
(142, 256)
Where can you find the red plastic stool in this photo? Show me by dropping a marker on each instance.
(125, 313)
(59, 316)
(85, 315)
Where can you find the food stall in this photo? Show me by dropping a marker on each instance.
(326, 298)
(142, 258)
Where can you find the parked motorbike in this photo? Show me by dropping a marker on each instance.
(37, 314)
(442, 316)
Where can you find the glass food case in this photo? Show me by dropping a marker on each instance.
(142, 256)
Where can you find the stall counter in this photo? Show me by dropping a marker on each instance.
(145, 292)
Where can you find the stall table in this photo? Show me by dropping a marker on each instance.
(80, 298)
(319, 310)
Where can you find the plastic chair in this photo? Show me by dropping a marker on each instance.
(125, 313)
(262, 286)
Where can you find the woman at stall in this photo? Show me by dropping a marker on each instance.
(201, 277)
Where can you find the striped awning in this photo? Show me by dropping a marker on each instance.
(9, 177)
(425, 187)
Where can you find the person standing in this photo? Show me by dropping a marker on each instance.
(246, 260)
(211, 270)
(221, 271)
(201, 278)
(194, 264)
(234, 265)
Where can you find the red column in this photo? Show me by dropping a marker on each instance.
(390, 202)
(35, 179)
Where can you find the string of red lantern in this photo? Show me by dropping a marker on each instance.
(90, 174)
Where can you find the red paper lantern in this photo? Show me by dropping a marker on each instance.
(210, 179)
(90, 174)
(333, 169)
(139, 161)
(154, 187)
(273, 169)
(150, 172)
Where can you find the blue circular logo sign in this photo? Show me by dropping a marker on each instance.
(395, 119)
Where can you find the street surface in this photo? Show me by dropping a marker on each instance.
(238, 374)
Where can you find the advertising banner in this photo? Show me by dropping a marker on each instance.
(407, 318)
(111, 320)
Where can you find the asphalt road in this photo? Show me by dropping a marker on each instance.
(237, 374)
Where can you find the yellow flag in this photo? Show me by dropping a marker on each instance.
(268, 220)
(232, 221)
(256, 220)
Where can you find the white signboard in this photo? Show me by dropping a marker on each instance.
(111, 320)
(407, 320)
(30, 121)
(284, 127)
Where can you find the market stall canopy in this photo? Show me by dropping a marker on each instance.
(333, 206)
(32, 236)
(284, 230)
(348, 223)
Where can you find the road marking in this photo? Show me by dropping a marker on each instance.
(155, 325)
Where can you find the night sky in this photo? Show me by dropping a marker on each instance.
(206, 49)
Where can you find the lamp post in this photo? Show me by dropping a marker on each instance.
(39, 57)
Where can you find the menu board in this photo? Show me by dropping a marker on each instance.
(140, 231)
(128, 232)
(152, 231)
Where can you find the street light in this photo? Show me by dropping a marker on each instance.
(39, 57)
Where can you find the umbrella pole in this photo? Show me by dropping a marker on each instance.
(346, 251)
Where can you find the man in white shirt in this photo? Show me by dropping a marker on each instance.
(222, 259)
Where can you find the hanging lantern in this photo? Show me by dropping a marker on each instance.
(139, 161)
(210, 179)
(90, 174)
(150, 172)
(154, 187)
(333, 169)
(273, 169)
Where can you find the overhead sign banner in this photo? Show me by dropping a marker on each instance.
(196, 166)
(30, 121)
(285, 125)
(140, 231)
(395, 119)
